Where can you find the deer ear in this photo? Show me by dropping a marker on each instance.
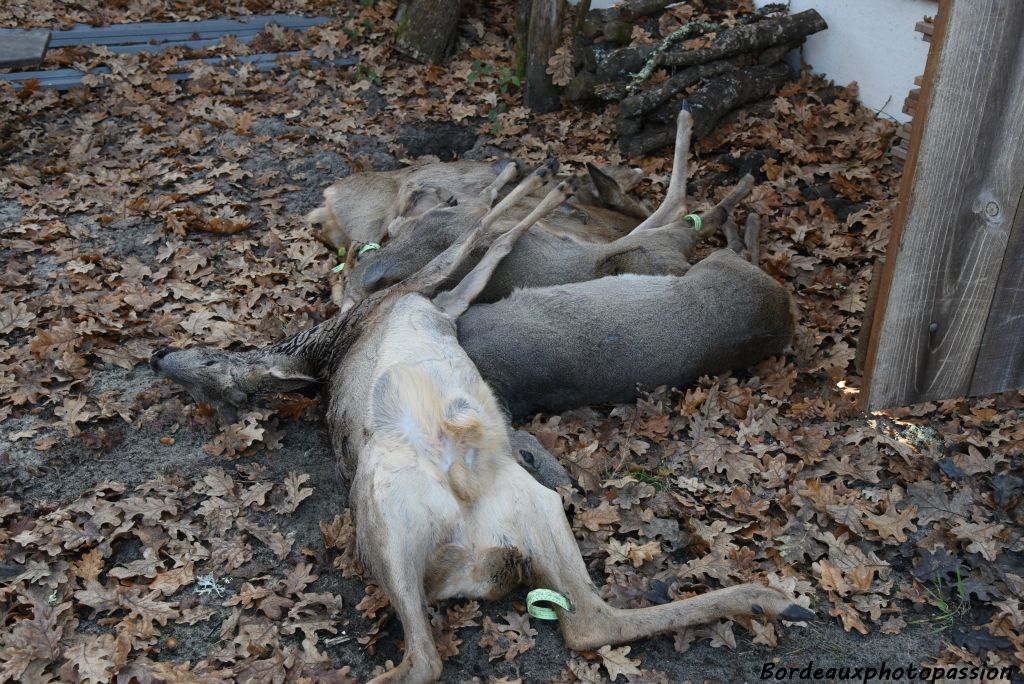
(607, 188)
(284, 380)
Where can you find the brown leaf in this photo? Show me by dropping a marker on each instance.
(90, 661)
(618, 662)
(560, 66)
(295, 493)
(892, 523)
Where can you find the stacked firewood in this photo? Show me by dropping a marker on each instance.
(721, 59)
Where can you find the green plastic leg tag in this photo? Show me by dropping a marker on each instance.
(696, 221)
(545, 596)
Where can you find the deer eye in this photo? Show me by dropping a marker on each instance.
(210, 363)
(527, 456)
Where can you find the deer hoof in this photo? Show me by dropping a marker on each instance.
(795, 613)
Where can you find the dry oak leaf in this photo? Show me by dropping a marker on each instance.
(235, 438)
(848, 614)
(892, 523)
(374, 602)
(38, 639)
(638, 554)
(593, 519)
(464, 615)
(295, 493)
(14, 315)
(172, 580)
(72, 412)
(764, 634)
(89, 662)
(831, 577)
(508, 641)
(717, 455)
(618, 662)
(721, 634)
(982, 538)
(935, 504)
(560, 67)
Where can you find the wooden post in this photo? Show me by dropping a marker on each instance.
(426, 29)
(543, 36)
(950, 315)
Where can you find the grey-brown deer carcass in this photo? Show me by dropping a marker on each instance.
(442, 507)
(539, 347)
(553, 252)
(366, 208)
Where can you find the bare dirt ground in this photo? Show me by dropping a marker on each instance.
(141, 540)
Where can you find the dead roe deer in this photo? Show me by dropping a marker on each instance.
(442, 507)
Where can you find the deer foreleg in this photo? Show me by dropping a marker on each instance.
(751, 235)
(732, 236)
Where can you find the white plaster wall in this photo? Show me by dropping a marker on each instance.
(872, 42)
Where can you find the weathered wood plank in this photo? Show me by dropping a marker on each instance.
(23, 48)
(64, 79)
(154, 39)
(966, 172)
(83, 34)
(1000, 364)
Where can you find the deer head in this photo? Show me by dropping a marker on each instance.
(230, 379)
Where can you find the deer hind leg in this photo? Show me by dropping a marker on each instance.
(674, 205)
(713, 219)
(525, 187)
(507, 175)
(454, 302)
(399, 525)
(590, 623)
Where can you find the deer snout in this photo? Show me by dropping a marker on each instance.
(154, 361)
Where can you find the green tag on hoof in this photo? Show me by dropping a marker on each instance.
(545, 596)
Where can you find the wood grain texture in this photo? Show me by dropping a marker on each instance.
(426, 29)
(1000, 364)
(65, 79)
(543, 36)
(23, 48)
(957, 208)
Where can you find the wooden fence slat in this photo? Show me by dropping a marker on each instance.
(159, 47)
(83, 33)
(144, 32)
(64, 79)
(149, 38)
(23, 48)
(1000, 364)
(946, 254)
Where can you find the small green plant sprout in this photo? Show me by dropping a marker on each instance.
(507, 80)
(952, 609)
(479, 68)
